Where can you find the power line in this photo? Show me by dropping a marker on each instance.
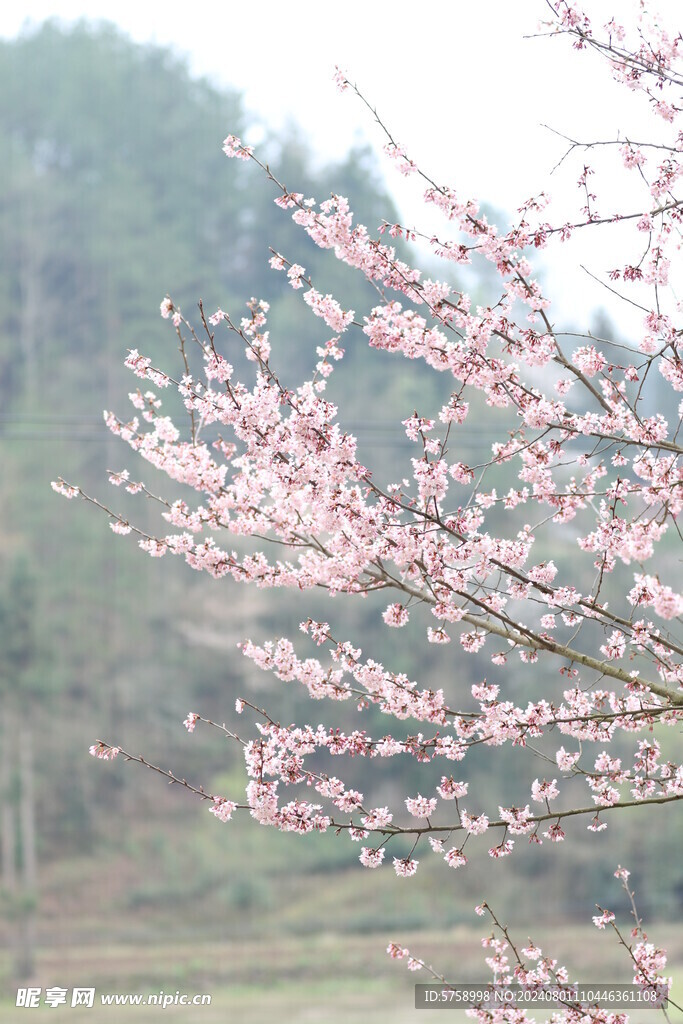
(57, 419)
(40, 427)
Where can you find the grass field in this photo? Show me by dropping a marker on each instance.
(302, 980)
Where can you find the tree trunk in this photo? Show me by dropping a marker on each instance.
(7, 821)
(26, 953)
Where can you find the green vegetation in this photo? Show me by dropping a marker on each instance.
(308, 979)
(114, 191)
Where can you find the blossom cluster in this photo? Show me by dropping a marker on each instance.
(469, 553)
(537, 972)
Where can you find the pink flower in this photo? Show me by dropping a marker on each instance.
(615, 646)
(555, 833)
(223, 808)
(542, 791)
(420, 806)
(104, 752)
(405, 867)
(581, 457)
(233, 147)
(649, 960)
(377, 818)
(370, 858)
(475, 825)
(397, 153)
(66, 490)
(340, 78)
(395, 615)
(602, 919)
(503, 849)
(516, 819)
(397, 952)
(295, 275)
(455, 858)
(449, 789)
(565, 760)
(589, 360)
(328, 308)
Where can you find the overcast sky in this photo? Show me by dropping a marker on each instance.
(457, 81)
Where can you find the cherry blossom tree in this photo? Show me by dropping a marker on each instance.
(589, 449)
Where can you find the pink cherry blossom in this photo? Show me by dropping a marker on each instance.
(545, 550)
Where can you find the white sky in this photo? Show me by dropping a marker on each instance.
(455, 80)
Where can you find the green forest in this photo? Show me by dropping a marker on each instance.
(114, 191)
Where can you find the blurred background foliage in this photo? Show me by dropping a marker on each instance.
(113, 192)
